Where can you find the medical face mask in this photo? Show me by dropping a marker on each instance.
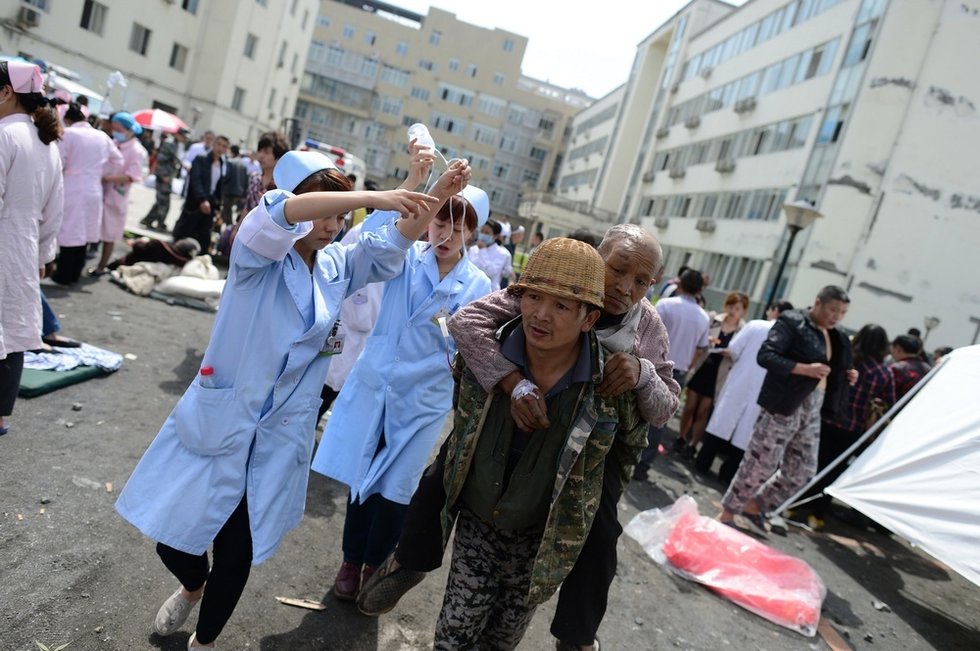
(485, 238)
(119, 136)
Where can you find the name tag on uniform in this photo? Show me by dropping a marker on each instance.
(334, 344)
(441, 314)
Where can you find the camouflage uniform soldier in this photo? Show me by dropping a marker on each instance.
(167, 165)
(523, 502)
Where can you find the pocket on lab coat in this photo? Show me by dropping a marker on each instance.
(208, 421)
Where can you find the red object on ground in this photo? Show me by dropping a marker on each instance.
(781, 588)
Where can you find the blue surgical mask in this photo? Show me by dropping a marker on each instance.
(486, 239)
(119, 136)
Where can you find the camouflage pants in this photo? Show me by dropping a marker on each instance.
(780, 458)
(485, 605)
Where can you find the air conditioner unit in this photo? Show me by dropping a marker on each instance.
(649, 176)
(693, 122)
(706, 225)
(706, 72)
(745, 105)
(725, 165)
(663, 132)
(661, 222)
(677, 172)
(28, 17)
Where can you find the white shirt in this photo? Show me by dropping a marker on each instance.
(494, 261)
(687, 329)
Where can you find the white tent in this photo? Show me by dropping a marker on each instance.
(921, 476)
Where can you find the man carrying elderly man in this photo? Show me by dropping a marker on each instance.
(635, 365)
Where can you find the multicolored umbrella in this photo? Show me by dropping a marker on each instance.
(159, 120)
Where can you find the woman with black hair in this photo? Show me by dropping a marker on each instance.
(30, 214)
(873, 394)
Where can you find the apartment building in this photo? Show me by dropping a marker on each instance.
(229, 65)
(866, 108)
(373, 69)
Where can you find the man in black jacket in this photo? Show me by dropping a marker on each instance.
(809, 367)
(203, 195)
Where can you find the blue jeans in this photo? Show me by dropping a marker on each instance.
(49, 320)
(656, 434)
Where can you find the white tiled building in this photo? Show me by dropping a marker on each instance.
(228, 65)
(865, 107)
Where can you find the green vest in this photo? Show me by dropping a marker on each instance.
(524, 504)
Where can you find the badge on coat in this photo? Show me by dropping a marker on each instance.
(334, 344)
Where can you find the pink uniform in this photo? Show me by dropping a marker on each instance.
(116, 195)
(84, 154)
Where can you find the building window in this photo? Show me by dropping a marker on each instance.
(539, 154)
(454, 65)
(435, 37)
(264, 3)
(292, 66)
(251, 41)
(178, 57)
(369, 68)
(498, 79)
(402, 48)
(190, 6)
(323, 21)
(471, 69)
(238, 98)
(501, 170)
(281, 61)
(272, 99)
(93, 16)
(348, 31)
(306, 19)
(427, 65)
(292, 7)
(369, 38)
(139, 39)
(546, 125)
(420, 93)
(508, 45)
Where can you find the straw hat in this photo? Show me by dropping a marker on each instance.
(565, 268)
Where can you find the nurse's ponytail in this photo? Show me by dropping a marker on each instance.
(45, 118)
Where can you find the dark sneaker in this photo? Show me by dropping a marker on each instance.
(758, 522)
(382, 591)
(348, 582)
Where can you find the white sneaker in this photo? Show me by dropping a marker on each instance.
(172, 614)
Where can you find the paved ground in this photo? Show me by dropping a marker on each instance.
(73, 571)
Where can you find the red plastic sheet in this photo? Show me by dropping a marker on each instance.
(783, 589)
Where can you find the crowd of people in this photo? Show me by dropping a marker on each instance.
(559, 362)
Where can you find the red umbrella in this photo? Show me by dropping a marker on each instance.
(156, 119)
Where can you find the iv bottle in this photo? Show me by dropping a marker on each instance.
(420, 134)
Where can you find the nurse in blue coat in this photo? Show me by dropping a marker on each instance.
(390, 411)
(230, 464)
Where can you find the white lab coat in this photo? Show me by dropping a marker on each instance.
(736, 408)
(357, 317)
(401, 384)
(495, 261)
(30, 216)
(250, 428)
(85, 154)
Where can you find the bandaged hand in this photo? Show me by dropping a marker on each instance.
(527, 407)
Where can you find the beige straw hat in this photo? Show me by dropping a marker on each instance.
(565, 268)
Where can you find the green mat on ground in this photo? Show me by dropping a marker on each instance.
(36, 383)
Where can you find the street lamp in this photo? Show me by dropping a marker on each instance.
(930, 322)
(799, 215)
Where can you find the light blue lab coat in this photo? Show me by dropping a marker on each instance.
(401, 383)
(249, 428)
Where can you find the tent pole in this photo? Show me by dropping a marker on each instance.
(879, 424)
